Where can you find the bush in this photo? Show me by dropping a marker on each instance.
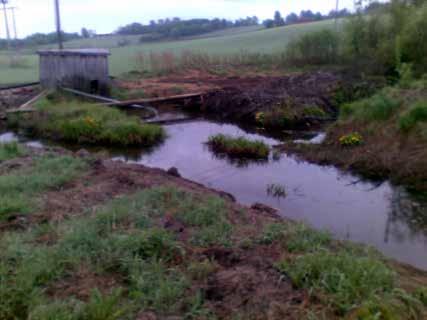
(86, 123)
(379, 107)
(416, 114)
(320, 47)
(239, 147)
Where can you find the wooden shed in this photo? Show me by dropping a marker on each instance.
(81, 69)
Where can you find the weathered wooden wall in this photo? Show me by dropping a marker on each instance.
(85, 70)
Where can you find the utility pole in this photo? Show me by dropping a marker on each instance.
(337, 7)
(14, 22)
(4, 2)
(58, 25)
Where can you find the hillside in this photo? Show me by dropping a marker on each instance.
(123, 58)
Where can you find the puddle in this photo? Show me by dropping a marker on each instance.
(380, 215)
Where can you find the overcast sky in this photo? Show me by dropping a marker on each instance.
(105, 16)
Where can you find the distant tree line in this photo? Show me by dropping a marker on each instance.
(38, 39)
(175, 27)
(303, 17)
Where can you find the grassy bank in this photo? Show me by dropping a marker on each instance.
(238, 147)
(381, 136)
(78, 122)
(175, 249)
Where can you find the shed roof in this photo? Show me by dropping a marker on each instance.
(74, 52)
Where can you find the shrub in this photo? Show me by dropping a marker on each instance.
(416, 114)
(320, 47)
(86, 123)
(349, 280)
(11, 150)
(350, 140)
(379, 107)
(239, 147)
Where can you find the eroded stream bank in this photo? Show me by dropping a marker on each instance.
(378, 214)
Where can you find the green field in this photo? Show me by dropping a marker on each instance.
(123, 59)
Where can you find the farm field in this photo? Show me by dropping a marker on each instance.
(123, 59)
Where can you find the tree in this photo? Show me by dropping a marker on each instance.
(85, 33)
(292, 18)
(269, 23)
(278, 20)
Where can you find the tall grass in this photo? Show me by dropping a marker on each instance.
(79, 122)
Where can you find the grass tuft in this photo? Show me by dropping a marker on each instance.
(239, 147)
(347, 279)
(11, 150)
(78, 122)
(156, 286)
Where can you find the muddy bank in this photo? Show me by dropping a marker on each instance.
(242, 101)
(295, 100)
(376, 159)
(13, 98)
(232, 272)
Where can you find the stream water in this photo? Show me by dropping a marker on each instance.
(378, 214)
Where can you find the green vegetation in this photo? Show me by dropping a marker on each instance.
(79, 122)
(10, 150)
(18, 189)
(349, 280)
(296, 237)
(314, 111)
(105, 242)
(238, 147)
(379, 107)
(416, 114)
(319, 47)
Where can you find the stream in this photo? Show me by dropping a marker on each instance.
(378, 214)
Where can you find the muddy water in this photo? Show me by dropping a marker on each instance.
(380, 215)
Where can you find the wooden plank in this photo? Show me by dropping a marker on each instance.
(27, 106)
(160, 99)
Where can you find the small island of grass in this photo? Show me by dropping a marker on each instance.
(79, 122)
(238, 147)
